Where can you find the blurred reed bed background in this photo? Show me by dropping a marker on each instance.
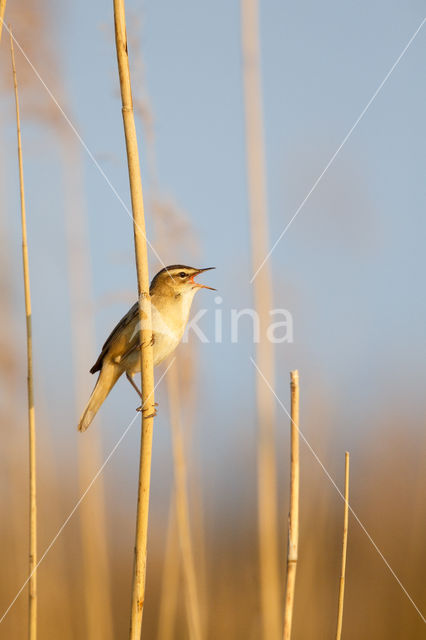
(374, 603)
(203, 556)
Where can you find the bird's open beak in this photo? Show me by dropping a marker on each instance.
(202, 286)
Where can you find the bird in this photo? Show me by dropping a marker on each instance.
(172, 291)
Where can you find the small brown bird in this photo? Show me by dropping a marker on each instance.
(172, 291)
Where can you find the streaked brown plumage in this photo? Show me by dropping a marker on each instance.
(172, 291)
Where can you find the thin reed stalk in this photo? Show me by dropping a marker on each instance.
(32, 626)
(262, 291)
(293, 523)
(182, 511)
(145, 326)
(344, 551)
(2, 10)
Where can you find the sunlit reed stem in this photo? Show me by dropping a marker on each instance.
(2, 10)
(293, 524)
(270, 589)
(145, 328)
(32, 628)
(344, 551)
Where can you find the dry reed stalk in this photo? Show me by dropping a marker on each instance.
(170, 578)
(344, 551)
(262, 290)
(92, 518)
(293, 524)
(2, 10)
(32, 628)
(182, 511)
(145, 328)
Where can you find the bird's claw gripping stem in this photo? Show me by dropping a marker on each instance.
(144, 410)
(150, 343)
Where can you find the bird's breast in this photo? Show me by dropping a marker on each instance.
(169, 317)
(164, 345)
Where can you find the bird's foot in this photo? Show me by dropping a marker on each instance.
(151, 415)
(150, 343)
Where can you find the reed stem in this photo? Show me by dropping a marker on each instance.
(2, 10)
(145, 328)
(32, 626)
(344, 551)
(293, 524)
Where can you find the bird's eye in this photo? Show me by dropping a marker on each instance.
(182, 274)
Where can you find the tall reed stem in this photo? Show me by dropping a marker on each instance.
(293, 524)
(262, 292)
(145, 327)
(344, 551)
(2, 10)
(32, 627)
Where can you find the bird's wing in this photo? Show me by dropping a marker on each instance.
(118, 332)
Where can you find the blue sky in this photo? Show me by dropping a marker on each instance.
(350, 269)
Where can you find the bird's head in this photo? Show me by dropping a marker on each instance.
(177, 280)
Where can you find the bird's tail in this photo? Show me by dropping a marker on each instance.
(108, 376)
